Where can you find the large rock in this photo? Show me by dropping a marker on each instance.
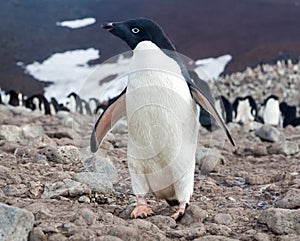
(67, 187)
(215, 238)
(285, 148)
(100, 165)
(97, 182)
(15, 223)
(281, 221)
(269, 133)
(32, 131)
(193, 214)
(290, 200)
(207, 159)
(11, 133)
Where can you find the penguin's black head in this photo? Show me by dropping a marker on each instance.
(136, 30)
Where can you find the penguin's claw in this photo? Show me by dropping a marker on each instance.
(179, 214)
(141, 211)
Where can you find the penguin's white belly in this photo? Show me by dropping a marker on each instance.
(163, 128)
(272, 113)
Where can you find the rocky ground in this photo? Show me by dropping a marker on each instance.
(53, 188)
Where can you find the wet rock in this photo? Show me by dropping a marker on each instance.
(222, 218)
(15, 223)
(69, 154)
(97, 182)
(207, 159)
(102, 166)
(11, 133)
(281, 221)
(32, 131)
(193, 214)
(215, 238)
(285, 148)
(37, 234)
(290, 200)
(84, 217)
(67, 187)
(269, 133)
(163, 222)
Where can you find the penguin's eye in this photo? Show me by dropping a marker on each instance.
(135, 30)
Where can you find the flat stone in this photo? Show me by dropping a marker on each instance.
(15, 223)
(285, 148)
(290, 200)
(269, 133)
(11, 133)
(97, 182)
(32, 131)
(163, 222)
(65, 188)
(222, 218)
(281, 221)
(100, 165)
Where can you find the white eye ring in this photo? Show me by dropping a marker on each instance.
(135, 30)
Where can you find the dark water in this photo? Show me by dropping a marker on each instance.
(251, 31)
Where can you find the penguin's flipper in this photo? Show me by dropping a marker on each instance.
(114, 112)
(205, 102)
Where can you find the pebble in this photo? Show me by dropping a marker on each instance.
(84, 199)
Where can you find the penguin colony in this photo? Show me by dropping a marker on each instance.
(242, 110)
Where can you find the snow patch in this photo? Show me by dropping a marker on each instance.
(77, 23)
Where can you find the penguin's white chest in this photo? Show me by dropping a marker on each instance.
(162, 122)
(272, 112)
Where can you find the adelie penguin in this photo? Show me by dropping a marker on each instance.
(244, 109)
(271, 111)
(159, 103)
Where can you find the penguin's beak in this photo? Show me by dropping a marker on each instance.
(107, 26)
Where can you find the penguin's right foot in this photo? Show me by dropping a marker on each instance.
(142, 209)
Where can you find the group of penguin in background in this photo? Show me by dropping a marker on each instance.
(40, 103)
(242, 110)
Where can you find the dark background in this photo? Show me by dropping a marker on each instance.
(252, 31)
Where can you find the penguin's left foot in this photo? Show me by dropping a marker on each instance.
(181, 210)
(142, 209)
